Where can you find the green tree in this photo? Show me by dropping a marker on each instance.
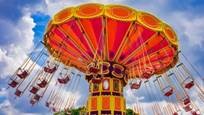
(130, 112)
(81, 111)
(77, 111)
(61, 113)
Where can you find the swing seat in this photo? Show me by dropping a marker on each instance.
(18, 93)
(34, 90)
(63, 80)
(188, 83)
(23, 74)
(135, 85)
(195, 112)
(65, 110)
(146, 75)
(13, 84)
(47, 104)
(187, 108)
(148, 72)
(54, 109)
(96, 80)
(50, 70)
(175, 113)
(37, 97)
(32, 101)
(186, 101)
(42, 84)
(93, 70)
(168, 91)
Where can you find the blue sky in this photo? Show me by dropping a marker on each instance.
(23, 23)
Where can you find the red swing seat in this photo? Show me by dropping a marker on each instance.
(186, 101)
(148, 72)
(188, 83)
(135, 85)
(47, 104)
(168, 91)
(50, 70)
(32, 101)
(54, 109)
(37, 97)
(23, 74)
(18, 93)
(65, 110)
(42, 84)
(195, 112)
(13, 84)
(188, 108)
(175, 113)
(34, 90)
(63, 80)
(146, 75)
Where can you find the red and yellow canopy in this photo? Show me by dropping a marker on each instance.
(113, 33)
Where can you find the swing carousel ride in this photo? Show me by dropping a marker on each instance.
(112, 46)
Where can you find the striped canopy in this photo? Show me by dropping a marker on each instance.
(111, 33)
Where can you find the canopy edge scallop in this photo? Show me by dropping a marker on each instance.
(119, 12)
(170, 34)
(63, 15)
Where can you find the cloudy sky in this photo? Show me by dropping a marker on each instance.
(23, 23)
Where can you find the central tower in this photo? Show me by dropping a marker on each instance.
(106, 89)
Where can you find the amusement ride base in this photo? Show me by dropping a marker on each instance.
(106, 91)
(106, 97)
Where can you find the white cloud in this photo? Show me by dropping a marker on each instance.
(3, 92)
(8, 109)
(53, 6)
(20, 41)
(195, 30)
(190, 26)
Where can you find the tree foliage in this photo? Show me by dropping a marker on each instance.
(77, 111)
(81, 110)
